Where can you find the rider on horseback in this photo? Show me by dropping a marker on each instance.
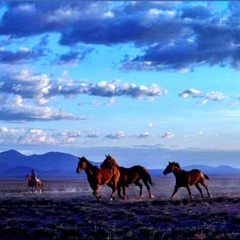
(34, 176)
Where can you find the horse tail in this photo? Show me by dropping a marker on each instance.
(206, 177)
(149, 178)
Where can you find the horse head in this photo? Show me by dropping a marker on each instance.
(170, 167)
(109, 162)
(82, 163)
(28, 177)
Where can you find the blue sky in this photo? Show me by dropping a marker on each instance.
(107, 74)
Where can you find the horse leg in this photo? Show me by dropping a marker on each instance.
(124, 192)
(95, 193)
(140, 185)
(119, 186)
(115, 187)
(40, 188)
(175, 191)
(119, 191)
(112, 195)
(206, 187)
(199, 189)
(189, 191)
(148, 188)
(202, 181)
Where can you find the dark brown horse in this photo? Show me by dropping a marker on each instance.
(99, 176)
(37, 184)
(130, 175)
(187, 178)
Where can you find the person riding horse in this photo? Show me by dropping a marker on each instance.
(34, 176)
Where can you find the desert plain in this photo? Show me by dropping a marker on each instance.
(66, 209)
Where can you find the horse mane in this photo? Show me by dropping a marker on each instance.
(28, 176)
(93, 168)
(113, 160)
(176, 164)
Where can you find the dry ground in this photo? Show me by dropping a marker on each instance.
(68, 210)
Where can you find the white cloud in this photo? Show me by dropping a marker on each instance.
(93, 134)
(215, 96)
(110, 101)
(25, 137)
(17, 110)
(41, 88)
(26, 84)
(168, 135)
(212, 96)
(118, 135)
(190, 92)
(144, 135)
(34, 136)
(150, 124)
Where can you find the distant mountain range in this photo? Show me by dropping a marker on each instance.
(56, 164)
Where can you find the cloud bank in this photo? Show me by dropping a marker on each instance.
(179, 36)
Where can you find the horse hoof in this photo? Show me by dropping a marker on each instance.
(124, 197)
(152, 197)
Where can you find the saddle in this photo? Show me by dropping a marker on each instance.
(36, 181)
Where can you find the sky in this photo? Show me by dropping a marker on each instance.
(126, 74)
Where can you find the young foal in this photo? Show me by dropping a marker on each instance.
(99, 176)
(130, 175)
(186, 178)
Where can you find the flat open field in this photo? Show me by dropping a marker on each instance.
(67, 210)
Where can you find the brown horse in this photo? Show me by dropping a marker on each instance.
(37, 184)
(130, 175)
(187, 178)
(99, 176)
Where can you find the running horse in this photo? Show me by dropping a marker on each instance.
(187, 178)
(37, 184)
(130, 175)
(99, 176)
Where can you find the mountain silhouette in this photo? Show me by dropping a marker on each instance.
(58, 164)
(51, 164)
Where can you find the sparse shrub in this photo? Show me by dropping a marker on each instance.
(33, 223)
(3, 212)
(16, 233)
(129, 214)
(185, 201)
(68, 233)
(218, 214)
(101, 234)
(43, 233)
(159, 203)
(147, 232)
(237, 218)
(139, 223)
